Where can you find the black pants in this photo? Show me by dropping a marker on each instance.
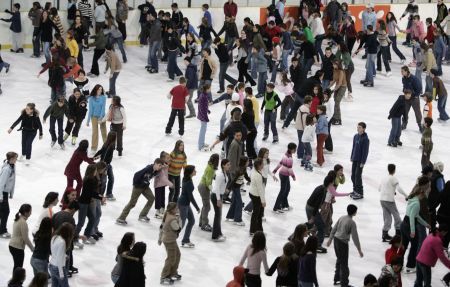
(160, 197)
(293, 112)
(329, 140)
(18, 256)
(123, 29)
(383, 53)
(80, 54)
(342, 271)
(53, 122)
(256, 220)
(217, 227)
(97, 54)
(173, 114)
(286, 106)
(4, 213)
(357, 178)
(175, 191)
(252, 280)
(414, 102)
(27, 142)
(73, 127)
(243, 72)
(405, 229)
(36, 42)
(250, 145)
(350, 44)
(118, 128)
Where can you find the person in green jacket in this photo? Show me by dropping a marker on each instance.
(271, 103)
(307, 31)
(57, 111)
(205, 188)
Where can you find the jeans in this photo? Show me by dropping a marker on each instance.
(97, 54)
(270, 117)
(318, 222)
(39, 265)
(172, 67)
(442, 101)
(307, 64)
(257, 214)
(175, 191)
(325, 84)
(284, 60)
(36, 42)
(235, 211)
(142, 39)
(206, 44)
(348, 76)
(301, 147)
(428, 84)
(262, 77)
(423, 275)
(395, 48)
(223, 119)
(189, 103)
(286, 105)
(186, 213)
(53, 121)
(357, 178)
(318, 45)
(244, 76)
(98, 214)
(173, 114)
(216, 228)
(112, 84)
(341, 272)
(110, 174)
(4, 213)
(438, 57)
(308, 152)
(396, 131)
(406, 239)
(370, 67)
(18, 256)
(57, 281)
(47, 53)
(27, 142)
(275, 65)
(86, 210)
(152, 59)
(122, 28)
(383, 53)
(282, 198)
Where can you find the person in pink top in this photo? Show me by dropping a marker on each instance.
(417, 29)
(285, 167)
(428, 255)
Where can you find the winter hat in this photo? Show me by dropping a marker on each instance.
(276, 40)
(235, 97)
(439, 166)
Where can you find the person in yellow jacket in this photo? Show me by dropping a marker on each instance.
(72, 44)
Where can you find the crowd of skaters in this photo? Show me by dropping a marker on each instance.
(313, 80)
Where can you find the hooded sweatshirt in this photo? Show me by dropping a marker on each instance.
(238, 280)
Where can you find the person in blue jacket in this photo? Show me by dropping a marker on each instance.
(97, 103)
(16, 28)
(360, 151)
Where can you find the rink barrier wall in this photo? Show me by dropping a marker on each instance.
(194, 14)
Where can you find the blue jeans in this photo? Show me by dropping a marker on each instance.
(282, 198)
(273, 78)
(36, 42)
(442, 101)
(39, 265)
(262, 77)
(119, 42)
(325, 84)
(318, 222)
(318, 45)
(428, 84)
(423, 275)
(396, 130)
(284, 60)
(152, 59)
(270, 117)
(56, 280)
(206, 44)
(301, 147)
(172, 67)
(308, 152)
(201, 135)
(27, 142)
(235, 211)
(438, 57)
(4, 65)
(307, 64)
(395, 48)
(223, 119)
(98, 215)
(112, 84)
(89, 211)
(186, 213)
(110, 174)
(47, 54)
(370, 67)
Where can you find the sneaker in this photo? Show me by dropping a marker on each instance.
(188, 245)
(110, 197)
(74, 140)
(207, 228)
(410, 270)
(66, 136)
(176, 277)
(62, 146)
(144, 219)
(52, 144)
(240, 223)
(90, 240)
(5, 235)
(357, 196)
(121, 221)
(221, 238)
(166, 281)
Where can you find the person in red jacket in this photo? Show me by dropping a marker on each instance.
(238, 280)
(430, 31)
(395, 251)
(72, 171)
(230, 9)
(429, 253)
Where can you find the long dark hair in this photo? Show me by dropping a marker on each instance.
(248, 107)
(288, 254)
(24, 208)
(188, 171)
(310, 246)
(32, 106)
(83, 146)
(44, 232)
(66, 233)
(117, 101)
(176, 149)
(126, 243)
(214, 160)
(138, 250)
(110, 139)
(262, 152)
(18, 277)
(39, 280)
(90, 171)
(258, 242)
(392, 17)
(95, 89)
(50, 198)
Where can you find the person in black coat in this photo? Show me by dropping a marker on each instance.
(30, 123)
(145, 8)
(16, 28)
(395, 115)
(133, 273)
(77, 113)
(287, 267)
(105, 154)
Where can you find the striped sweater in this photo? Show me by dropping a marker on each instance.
(57, 21)
(285, 166)
(177, 162)
(85, 9)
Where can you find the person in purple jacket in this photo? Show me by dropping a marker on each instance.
(360, 151)
(203, 103)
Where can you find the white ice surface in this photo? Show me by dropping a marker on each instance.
(211, 264)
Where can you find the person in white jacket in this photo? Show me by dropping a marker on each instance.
(318, 32)
(309, 133)
(220, 186)
(7, 185)
(61, 241)
(300, 124)
(329, 103)
(388, 187)
(258, 196)
(51, 200)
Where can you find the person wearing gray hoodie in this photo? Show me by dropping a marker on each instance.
(7, 185)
